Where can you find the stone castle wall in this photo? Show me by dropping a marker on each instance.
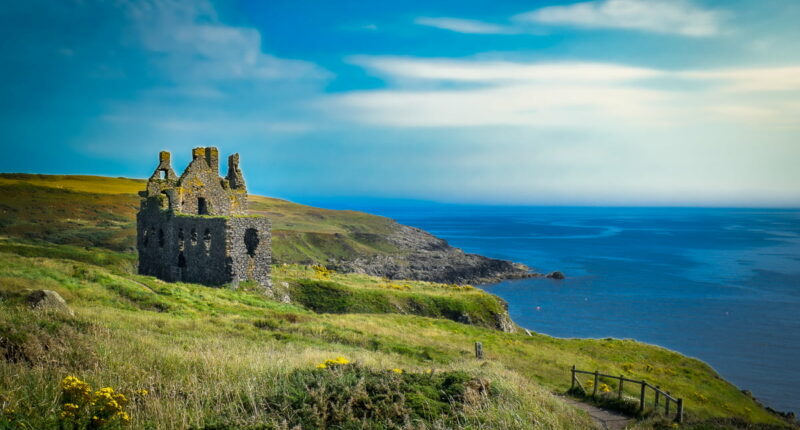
(192, 228)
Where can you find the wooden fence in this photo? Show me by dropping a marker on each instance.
(658, 393)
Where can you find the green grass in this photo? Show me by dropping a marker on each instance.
(214, 356)
(368, 294)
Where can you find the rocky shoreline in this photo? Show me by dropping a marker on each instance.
(425, 257)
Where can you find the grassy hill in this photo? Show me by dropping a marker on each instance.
(101, 212)
(350, 351)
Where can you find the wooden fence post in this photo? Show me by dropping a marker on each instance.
(657, 390)
(621, 381)
(666, 408)
(679, 415)
(478, 350)
(596, 382)
(641, 397)
(572, 383)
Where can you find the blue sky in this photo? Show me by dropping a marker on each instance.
(609, 102)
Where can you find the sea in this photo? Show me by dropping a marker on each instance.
(720, 285)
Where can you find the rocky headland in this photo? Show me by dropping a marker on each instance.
(425, 257)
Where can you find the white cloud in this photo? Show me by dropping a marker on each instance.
(498, 71)
(204, 82)
(195, 45)
(773, 79)
(659, 16)
(468, 26)
(582, 95)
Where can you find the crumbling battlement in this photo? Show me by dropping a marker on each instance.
(191, 228)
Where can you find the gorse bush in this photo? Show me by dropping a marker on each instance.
(83, 408)
(349, 396)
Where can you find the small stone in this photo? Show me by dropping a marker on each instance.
(48, 300)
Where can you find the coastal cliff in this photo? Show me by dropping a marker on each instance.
(425, 257)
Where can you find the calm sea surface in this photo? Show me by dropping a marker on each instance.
(722, 285)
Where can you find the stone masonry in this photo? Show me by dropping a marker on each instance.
(195, 228)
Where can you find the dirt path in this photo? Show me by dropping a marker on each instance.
(604, 419)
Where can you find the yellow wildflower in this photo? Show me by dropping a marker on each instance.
(142, 392)
(123, 416)
(338, 360)
(75, 389)
(605, 388)
(332, 362)
(395, 370)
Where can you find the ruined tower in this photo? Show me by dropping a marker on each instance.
(195, 228)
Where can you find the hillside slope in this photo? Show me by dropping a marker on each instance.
(100, 212)
(217, 358)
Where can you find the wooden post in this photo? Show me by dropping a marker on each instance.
(658, 391)
(666, 408)
(478, 350)
(596, 382)
(641, 397)
(572, 383)
(621, 381)
(679, 415)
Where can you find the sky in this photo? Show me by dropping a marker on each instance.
(602, 102)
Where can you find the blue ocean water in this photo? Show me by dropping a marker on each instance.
(721, 285)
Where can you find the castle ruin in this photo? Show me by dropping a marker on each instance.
(195, 228)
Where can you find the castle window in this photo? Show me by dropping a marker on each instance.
(251, 241)
(166, 202)
(202, 206)
(161, 238)
(181, 261)
(207, 240)
(181, 239)
(193, 236)
(163, 173)
(145, 237)
(152, 234)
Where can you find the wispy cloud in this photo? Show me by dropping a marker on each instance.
(679, 17)
(195, 45)
(772, 79)
(208, 82)
(468, 26)
(444, 69)
(470, 93)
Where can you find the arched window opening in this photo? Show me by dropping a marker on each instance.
(202, 206)
(163, 173)
(207, 240)
(160, 238)
(193, 236)
(181, 261)
(251, 241)
(166, 202)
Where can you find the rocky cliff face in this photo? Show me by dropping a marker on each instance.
(426, 257)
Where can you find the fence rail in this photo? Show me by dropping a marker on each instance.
(658, 393)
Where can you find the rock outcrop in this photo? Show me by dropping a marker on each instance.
(48, 300)
(426, 257)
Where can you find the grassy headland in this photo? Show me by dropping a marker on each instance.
(223, 358)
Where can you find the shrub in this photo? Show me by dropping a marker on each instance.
(346, 395)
